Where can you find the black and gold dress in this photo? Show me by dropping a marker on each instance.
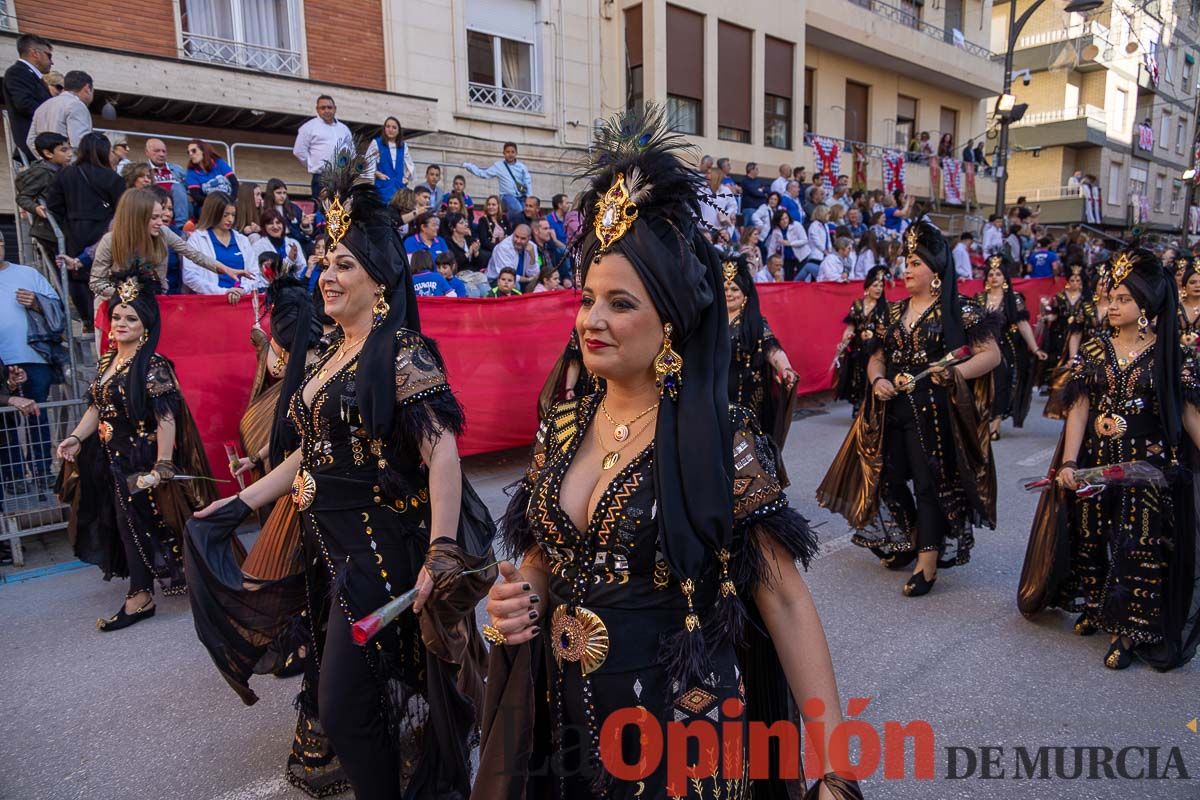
(934, 437)
(1012, 381)
(1189, 328)
(126, 532)
(614, 577)
(1069, 318)
(852, 366)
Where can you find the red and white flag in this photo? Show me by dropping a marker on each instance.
(829, 157)
(893, 171)
(952, 179)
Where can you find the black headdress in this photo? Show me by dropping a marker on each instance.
(736, 270)
(136, 288)
(924, 240)
(357, 218)
(1004, 263)
(642, 204)
(874, 274)
(295, 329)
(1153, 289)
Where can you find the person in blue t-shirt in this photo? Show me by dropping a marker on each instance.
(426, 237)
(207, 173)
(446, 266)
(1043, 262)
(427, 282)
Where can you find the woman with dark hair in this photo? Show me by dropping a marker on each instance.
(300, 225)
(761, 378)
(1063, 317)
(460, 243)
(866, 321)
(384, 508)
(83, 198)
(207, 173)
(137, 176)
(1189, 302)
(649, 522)
(491, 228)
(127, 512)
(789, 239)
(919, 430)
(1012, 380)
(389, 159)
(274, 239)
(1125, 559)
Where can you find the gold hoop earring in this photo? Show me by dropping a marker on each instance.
(936, 285)
(1143, 325)
(143, 338)
(668, 367)
(112, 336)
(381, 308)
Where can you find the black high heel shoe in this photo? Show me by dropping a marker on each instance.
(1084, 626)
(123, 620)
(917, 585)
(1118, 656)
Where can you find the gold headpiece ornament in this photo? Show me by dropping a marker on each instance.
(730, 269)
(1077, 269)
(128, 290)
(995, 262)
(1121, 267)
(337, 221)
(911, 240)
(615, 212)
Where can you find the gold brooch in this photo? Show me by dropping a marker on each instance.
(730, 269)
(304, 489)
(581, 637)
(1110, 426)
(1121, 267)
(337, 221)
(911, 239)
(128, 290)
(615, 212)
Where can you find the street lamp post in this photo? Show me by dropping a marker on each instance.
(1015, 25)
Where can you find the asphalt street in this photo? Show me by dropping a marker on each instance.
(143, 713)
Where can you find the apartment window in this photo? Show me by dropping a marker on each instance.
(1137, 179)
(1164, 129)
(911, 12)
(1160, 182)
(1188, 64)
(1176, 190)
(777, 104)
(1114, 184)
(1168, 58)
(634, 75)
(906, 120)
(1180, 136)
(810, 81)
(1120, 103)
(685, 70)
(857, 97)
(735, 46)
(256, 34)
(501, 64)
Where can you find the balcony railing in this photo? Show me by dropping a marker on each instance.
(1047, 194)
(482, 94)
(1070, 33)
(242, 54)
(1063, 115)
(911, 19)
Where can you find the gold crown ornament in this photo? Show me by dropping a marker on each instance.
(1122, 266)
(337, 221)
(730, 269)
(615, 213)
(995, 262)
(911, 240)
(128, 290)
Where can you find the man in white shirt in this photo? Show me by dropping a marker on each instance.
(518, 253)
(319, 138)
(962, 256)
(66, 114)
(993, 235)
(780, 184)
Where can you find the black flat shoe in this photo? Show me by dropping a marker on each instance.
(898, 560)
(1084, 626)
(1118, 656)
(917, 585)
(122, 620)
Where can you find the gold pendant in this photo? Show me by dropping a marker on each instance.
(1111, 426)
(621, 433)
(611, 459)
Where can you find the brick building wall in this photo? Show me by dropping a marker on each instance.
(345, 42)
(141, 26)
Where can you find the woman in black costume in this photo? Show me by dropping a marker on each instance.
(930, 431)
(649, 521)
(866, 321)
(761, 378)
(1189, 304)
(1064, 317)
(1012, 380)
(127, 514)
(375, 478)
(1125, 559)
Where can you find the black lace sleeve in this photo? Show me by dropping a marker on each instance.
(770, 343)
(162, 387)
(1080, 372)
(760, 508)
(1189, 378)
(1022, 308)
(425, 406)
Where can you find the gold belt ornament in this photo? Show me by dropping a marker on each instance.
(580, 636)
(1110, 426)
(106, 431)
(304, 489)
(902, 380)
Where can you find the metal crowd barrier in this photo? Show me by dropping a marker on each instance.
(29, 468)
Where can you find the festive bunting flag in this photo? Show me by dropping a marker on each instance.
(952, 171)
(829, 157)
(893, 171)
(859, 181)
(935, 177)
(969, 173)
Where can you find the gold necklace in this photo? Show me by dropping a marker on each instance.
(337, 356)
(621, 431)
(611, 457)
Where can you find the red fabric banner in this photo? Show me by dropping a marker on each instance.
(498, 352)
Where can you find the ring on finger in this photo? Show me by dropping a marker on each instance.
(493, 635)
